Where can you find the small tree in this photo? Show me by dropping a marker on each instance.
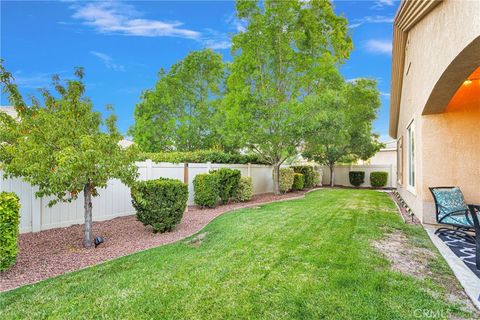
(179, 112)
(61, 147)
(343, 130)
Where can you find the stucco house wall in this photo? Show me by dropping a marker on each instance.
(446, 143)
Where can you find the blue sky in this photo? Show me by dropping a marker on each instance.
(122, 45)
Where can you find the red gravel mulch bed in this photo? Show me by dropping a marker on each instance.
(56, 251)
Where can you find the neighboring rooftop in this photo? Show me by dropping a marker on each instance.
(9, 110)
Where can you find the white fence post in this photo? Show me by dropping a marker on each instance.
(249, 170)
(209, 166)
(149, 171)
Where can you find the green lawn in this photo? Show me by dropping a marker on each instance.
(304, 259)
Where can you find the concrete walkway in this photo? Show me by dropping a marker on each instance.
(469, 281)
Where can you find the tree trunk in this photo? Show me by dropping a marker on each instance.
(276, 179)
(88, 236)
(332, 176)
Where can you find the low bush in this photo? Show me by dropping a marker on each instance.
(378, 179)
(244, 190)
(160, 203)
(9, 222)
(298, 181)
(356, 177)
(206, 190)
(228, 180)
(307, 172)
(317, 178)
(200, 156)
(286, 179)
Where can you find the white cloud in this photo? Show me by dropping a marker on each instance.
(108, 61)
(379, 4)
(34, 81)
(120, 18)
(113, 17)
(217, 44)
(238, 25)
(352, 80)
(385, 2)
(371, 19)
(385, 95)
(379, 46)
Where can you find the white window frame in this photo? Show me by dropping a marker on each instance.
(400, 162)
(411, 172)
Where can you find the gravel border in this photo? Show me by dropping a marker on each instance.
(53, 252)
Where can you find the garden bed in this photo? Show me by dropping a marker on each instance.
(56, 251)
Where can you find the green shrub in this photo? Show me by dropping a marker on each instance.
(160, 203)
(317, 178)
(286, 179)
(228, 180)
(356, 177)
(206, 190)
(378, 179)
(298, 181)
(307, 172)
(200, 156)
(9, 222)
(244, 191)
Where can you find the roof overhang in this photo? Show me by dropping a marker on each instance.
(409, 13)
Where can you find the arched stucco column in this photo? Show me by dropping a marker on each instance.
(453, 77)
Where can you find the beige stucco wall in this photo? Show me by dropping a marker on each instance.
(444, 142)
(451, 153)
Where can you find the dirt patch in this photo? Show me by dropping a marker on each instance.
(404, 257)
(197, 240)
(414, 261)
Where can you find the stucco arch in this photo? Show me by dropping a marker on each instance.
(453, 77)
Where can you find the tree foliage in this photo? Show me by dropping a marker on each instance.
(289, 51)
(179, 112)
(60, 146)
(343, 124)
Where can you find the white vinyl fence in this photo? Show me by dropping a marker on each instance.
(341, 174)
(115, 201)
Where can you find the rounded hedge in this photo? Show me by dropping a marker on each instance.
(356, 177)
(160, 203)
(308, 174)
(244, 191)
(378, 179)
(228, 180)
(9, 222)
(286, 179)
(298, 181)
(206, 190)
(317, 178)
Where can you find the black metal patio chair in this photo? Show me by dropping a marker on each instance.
(452, 210)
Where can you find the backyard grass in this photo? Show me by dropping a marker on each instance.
(306, 259)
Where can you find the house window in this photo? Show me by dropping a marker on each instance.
(400, 160)
(411, 156)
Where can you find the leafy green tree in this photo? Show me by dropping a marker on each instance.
(61, 147)
(179, 112)
(343, 125)
(289, 51)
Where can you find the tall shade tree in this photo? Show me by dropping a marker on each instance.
(61, 147)
(288, 51)
(343, 125)
(178, 113)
